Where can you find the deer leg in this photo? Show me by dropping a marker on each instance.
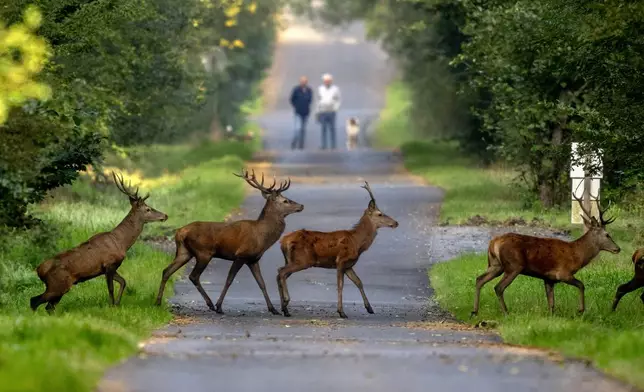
(200, 266)
(51, 305)
(508, 277)
(257, 274)
(122, 283)
(109, 277)
(578, 284)
(356, 280)
(340, 272)
(283, 274)
(492, 272)
(237, 264)
(626, 288)
(550, 294)
(181, 258)
(36, 301)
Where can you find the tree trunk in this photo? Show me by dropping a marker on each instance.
(216, 133)
(546, 193)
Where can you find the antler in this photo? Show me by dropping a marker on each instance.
(602, 221)
(368, 188)
(251, 179)
(118, 180)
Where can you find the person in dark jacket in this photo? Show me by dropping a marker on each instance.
(301, 98)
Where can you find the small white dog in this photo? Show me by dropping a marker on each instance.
(353, 131)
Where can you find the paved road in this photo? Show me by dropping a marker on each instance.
(409, 344)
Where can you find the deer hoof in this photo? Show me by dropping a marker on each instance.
(342, 315)
(274, 311)
(286, 313)
(474, 313)
(216, 309)
(370, 309)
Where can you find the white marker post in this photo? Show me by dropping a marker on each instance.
(584, 186)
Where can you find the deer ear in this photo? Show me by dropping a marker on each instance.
(266, 195)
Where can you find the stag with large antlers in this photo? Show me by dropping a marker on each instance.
(242, 242)
(339, 250)
(102, 254)
(549, 259)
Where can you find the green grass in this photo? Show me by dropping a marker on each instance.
(70, 350)
(612, 341)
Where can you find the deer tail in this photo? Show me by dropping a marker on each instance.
(493, 252)
(287, 247)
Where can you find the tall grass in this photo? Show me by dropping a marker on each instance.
(69, 350)
(612, 341)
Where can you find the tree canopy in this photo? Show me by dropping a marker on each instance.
(519, 80)
(80, 76)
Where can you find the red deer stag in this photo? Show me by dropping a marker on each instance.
(636, 282)
(102, 254)
(550, 259)
(337, 250)
(242, 242)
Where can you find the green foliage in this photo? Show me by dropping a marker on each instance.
(519, 80)
(22, 56)
(558, 71)
(126, 72)
(39, 153)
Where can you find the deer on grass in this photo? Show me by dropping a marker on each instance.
(102, 254)
(337, 250)
(242, 242)
(636, 282)
(552, 260)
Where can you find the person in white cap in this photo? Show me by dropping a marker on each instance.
(328, 98)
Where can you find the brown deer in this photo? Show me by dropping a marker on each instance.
(102, 254)
(636, 282)
(337, 250)
(550, 259)
(242, 242)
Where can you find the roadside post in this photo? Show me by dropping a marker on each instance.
(585, 186)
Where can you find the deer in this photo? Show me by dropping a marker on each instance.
(636, 282)
(550, 259)
(102, 254)
(243, 242)
(339, 250)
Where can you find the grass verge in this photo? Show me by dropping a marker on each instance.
(70, 350)
(612, 341)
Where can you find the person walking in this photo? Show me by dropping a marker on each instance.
(328, 98)
(301, 98)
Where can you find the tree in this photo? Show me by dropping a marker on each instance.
(124, 72)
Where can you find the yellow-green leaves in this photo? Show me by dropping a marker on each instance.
(22, 56)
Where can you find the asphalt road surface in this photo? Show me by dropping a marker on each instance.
(409, 344)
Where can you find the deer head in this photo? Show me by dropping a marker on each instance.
(274, 199)
(139, 207)
(377, 217)
(597, 229)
